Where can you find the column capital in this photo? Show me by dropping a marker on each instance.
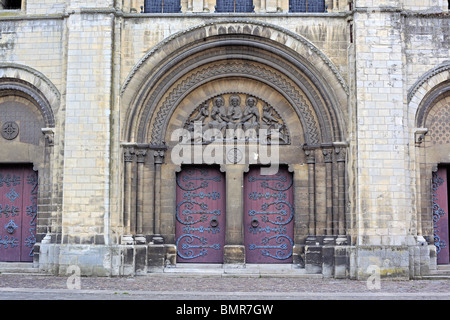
(128, 152)
(159, 156)
(310, 152)
(140, 154)
(327, 154)
(419, 135)
(49, 134)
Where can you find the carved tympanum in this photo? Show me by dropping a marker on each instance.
(256, 120)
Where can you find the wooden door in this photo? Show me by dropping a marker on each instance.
(200, 215)
(268, 216)
(440, 215)
(18, 210)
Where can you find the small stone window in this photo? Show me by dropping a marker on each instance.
(11, 4)
(162, 6)
(307, 6)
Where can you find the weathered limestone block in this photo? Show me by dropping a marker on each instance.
(313, 259)
(155, 257)
(341, 262)
(392, 261)
(234, 255)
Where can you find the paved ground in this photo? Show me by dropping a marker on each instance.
(183, 288)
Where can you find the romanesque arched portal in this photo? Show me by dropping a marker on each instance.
(223, 92)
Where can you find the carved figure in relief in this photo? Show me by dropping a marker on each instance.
(202, 114)
(273, 123)
(234, 118)
(218, 115)
(234, 110)
(200, 117)
(268, 117)
(250, 118)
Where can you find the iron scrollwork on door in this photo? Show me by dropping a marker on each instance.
(199, 213)
(9, 242)
(9, 180)
(31, 211)
(192, 251)
(438, 212)
(283, 212)
(18, 212)
(283, 247)
(269, 217)
(188, 181)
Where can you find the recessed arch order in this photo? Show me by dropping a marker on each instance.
(263, 54)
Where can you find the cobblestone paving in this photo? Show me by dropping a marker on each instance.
(226, 284)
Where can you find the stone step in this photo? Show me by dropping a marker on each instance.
(442, 272)
(443, 267)
(17, 267)
(256, 270)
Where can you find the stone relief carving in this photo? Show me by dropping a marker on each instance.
(299, 103)
(10, 130)
(255, 121)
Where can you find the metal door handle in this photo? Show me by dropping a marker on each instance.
(11, 227)
(214, 222)
(254, 223)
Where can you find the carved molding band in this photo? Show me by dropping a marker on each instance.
(244, 26)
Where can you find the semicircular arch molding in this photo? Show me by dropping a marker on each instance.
(290, 64)
(425, 92)
(156, 128)
(31, 84)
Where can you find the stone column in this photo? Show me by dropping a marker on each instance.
(328, 241)
(419, 137)
(156, 248)
(328, 159)
(340, 153)
(313, 251)
(159, 159)
(128, 156)
(141, 152)
(234, 250)
(311, 161)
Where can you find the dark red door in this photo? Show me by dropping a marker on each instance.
(200, 215)
(268, 216)
(18, 210)
(440, 215)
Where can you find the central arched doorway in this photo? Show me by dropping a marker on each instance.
(214, 102)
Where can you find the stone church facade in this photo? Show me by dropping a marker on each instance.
(141, 136)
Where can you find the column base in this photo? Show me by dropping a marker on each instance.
(234, 255)
(127, 239)
(140, 239)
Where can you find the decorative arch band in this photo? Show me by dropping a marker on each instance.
(297, 100)
(10, 86)
(301, 73)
